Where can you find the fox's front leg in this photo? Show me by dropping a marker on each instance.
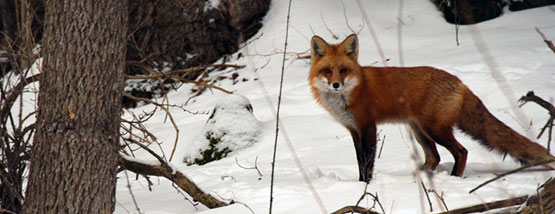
(365, 146)
(368, 141)
(359, 152)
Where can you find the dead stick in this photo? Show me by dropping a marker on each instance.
(489, 206)
(427, 196)
(441, 199)
(381, 147)
(548, 42)
(355, 209)
(511, 172)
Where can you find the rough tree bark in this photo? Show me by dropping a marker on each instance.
(74, 155)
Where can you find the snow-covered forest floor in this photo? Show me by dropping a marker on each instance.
(316, 168)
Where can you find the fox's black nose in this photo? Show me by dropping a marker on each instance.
(336, 85)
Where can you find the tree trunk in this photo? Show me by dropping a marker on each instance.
(75, 149)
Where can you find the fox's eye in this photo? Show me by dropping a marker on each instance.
(327, 71)
(343, 70)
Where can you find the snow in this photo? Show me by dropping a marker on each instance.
(230, 128)
(316, 168)
(211, 4)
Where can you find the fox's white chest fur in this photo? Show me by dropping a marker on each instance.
(336, 104)
(336, 100)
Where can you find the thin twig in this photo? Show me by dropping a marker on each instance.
(372, 32)
(346, 19)
(131, 193)
(440, 197)
(247, 206)
(539, 198)
(427, 196)
(254, 167)
(13, 94)
(333, 35)
(374, 197)
(381, 147)
(167, 113)
(511, 172)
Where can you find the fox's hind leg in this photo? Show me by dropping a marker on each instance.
(444, 136)
(428, 145)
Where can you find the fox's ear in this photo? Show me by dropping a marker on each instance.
(318, 48)
(350, 45)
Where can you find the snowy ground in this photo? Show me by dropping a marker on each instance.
(316, 167)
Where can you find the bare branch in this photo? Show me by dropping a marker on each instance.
(530, 96)
(131, 193)
(8, 101)
(157, 75)
(427, 196)
(167, 113)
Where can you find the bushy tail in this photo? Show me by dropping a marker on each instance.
(478, 122)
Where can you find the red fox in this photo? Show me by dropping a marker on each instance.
(430, 100)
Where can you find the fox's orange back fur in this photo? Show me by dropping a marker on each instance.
(432, 101)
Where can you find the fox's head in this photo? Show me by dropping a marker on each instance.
(334, 67)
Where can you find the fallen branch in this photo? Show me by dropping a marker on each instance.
(489, 206)
(164, 170)
(354, 209)
(543, 202)
(511, 172)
